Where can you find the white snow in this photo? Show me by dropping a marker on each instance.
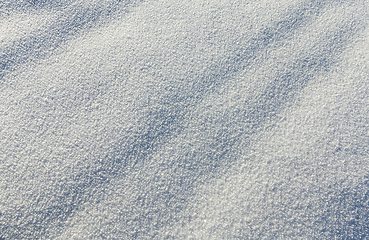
(184, 119)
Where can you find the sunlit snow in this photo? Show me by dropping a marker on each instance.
(184, 119)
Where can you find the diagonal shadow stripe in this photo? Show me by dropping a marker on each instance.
(274, 99)
(40, 45)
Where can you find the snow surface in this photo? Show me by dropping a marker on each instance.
(186, 119)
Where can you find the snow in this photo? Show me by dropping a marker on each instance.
(184, 120)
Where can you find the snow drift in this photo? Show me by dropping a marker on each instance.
(184, 120)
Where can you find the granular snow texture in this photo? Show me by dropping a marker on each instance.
(190, 119)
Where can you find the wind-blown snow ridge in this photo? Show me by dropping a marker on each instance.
(184, 120)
